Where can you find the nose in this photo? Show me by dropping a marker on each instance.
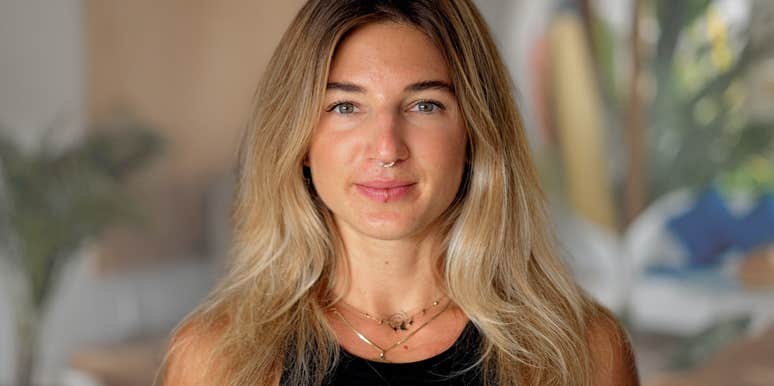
(387, 142)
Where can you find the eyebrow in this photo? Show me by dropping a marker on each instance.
(414, 87)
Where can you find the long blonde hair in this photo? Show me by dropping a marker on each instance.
(500, 267)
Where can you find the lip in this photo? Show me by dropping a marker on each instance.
(386, 190)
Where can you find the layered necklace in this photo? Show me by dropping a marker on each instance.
(407, 321)
(399, 321)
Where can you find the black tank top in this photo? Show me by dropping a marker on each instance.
(446, 368)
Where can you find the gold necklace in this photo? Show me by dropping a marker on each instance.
(383, 351)
(398, 321)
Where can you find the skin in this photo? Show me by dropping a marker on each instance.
(389, 98)
(386, 121)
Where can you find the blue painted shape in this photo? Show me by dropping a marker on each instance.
(705, 230)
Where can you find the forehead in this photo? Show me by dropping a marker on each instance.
(387, 50)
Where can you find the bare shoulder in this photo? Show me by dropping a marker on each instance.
(612, 358)
(189, 355)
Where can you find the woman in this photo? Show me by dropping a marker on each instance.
(388, 224)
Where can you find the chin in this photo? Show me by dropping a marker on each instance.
(384, 229)
(405, 222)
(387, 234)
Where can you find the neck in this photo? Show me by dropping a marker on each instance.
(388, 276)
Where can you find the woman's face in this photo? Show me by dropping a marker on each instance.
(389, 98)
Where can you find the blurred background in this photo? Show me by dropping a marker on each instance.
(651, 122)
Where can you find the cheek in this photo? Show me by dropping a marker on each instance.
(329, 157)
(443, 151)
(319, 153)
(454, 158)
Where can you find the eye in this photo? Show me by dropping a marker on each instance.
(428, 106)
(343, 108)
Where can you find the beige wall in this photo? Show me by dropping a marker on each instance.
(189, 69)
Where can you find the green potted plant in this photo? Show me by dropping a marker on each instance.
(51, 202)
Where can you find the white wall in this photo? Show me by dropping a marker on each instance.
(41, 70)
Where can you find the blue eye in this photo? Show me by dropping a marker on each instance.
(428, 106)
(343, 108)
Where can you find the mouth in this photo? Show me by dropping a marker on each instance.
(385, 191)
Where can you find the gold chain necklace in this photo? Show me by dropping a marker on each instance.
(383, 351)
(398, 321)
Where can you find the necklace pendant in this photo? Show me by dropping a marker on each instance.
(381, 356)
(398, 321)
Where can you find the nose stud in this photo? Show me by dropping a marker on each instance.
(388, 164)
